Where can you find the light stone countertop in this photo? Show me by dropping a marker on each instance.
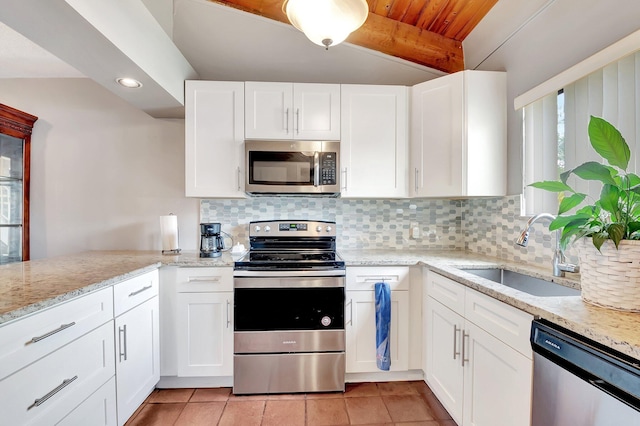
(28, 287)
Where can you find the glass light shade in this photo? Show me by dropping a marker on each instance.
(326, 22)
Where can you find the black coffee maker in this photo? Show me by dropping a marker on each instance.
(211, 242)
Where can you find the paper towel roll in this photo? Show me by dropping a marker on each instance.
(169, 232)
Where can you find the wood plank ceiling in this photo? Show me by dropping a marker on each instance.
(426, 32)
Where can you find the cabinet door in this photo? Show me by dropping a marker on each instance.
(360, 329)
(269, 110)
(316, 111)
(374, 145)
(437, 137)
(445, 375)
(97, 410)
(214, 134)
(497, 382)
(137, 356)
(205, 334)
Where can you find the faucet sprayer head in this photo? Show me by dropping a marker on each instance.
(523, 238)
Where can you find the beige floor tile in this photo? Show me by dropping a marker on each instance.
(325, 412)
(286, 396)
(407, 408)
(201, 414)
(284, 413)
(367, 410)
(245, 413)
(158, 415)
(170, 395)
(361, 389)
(325, 395)
(210, 394)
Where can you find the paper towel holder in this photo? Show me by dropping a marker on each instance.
(169, 234)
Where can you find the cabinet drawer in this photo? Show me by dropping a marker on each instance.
(364, 278)
(47, 390)
(134, 291)
(97, 410)
(202, 280)
(446, 291)
(29, 339)
(509, 324)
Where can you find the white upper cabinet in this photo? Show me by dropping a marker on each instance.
(302, 111)
(458, 136)
(214, 137)
(374, 145)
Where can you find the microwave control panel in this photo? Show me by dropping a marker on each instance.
(328, 168)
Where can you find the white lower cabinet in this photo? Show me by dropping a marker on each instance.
(478, 362)
(204, 331)
(360, 318)
(205, 339)
(137, 342)
(97, 410)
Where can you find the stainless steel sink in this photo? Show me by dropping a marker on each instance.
(525, 283)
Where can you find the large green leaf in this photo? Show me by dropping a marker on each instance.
(595, 171)
(552, 186)
(610, 199)
(599, 239)
(573, 220)
(633, 180)
(609, 143)
(633, 227)
(616, 232)
(568, 203)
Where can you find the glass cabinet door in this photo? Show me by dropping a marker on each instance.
(11, 198)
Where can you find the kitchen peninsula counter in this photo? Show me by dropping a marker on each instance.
(28, 287)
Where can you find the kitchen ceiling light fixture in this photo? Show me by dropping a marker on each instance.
(130, 83)
(326, 22)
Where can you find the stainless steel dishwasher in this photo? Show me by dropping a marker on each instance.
(579, 382)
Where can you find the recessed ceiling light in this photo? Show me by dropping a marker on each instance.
(131, 83)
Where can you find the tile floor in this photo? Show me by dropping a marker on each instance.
(384, 403)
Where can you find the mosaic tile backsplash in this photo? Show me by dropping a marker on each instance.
(487, 226)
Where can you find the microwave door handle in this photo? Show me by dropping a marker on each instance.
(316, 169)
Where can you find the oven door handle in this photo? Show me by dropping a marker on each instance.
(316, 168)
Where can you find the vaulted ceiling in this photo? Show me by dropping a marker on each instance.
(426, 32)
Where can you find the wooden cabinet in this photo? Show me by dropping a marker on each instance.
(458, 135)
(478, 362)
(360, 322)
(374, 145)
(302, 111)
(205, 322)
(214, 137)
(137, 342)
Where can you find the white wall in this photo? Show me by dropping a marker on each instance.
(102, 172)
(563, 33)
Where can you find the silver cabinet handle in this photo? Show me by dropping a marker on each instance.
(298, 120)
(39, 401)
(455, 341)
(351, 311)
(239, 178)
(51, 333)
(137, 292)
(122, 340)
(214, 279)
(344, 180)
(416, 174)
(464, 347)
(228, 311)
(286, 114)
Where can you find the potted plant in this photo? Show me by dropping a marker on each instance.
(606, 232)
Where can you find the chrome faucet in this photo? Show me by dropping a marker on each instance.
(560, 266)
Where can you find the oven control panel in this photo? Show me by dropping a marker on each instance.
(297, 229)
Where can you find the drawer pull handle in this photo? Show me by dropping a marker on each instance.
(38, 402)
(52, 332)
(203, 279)
(456, 352)
(135, 293)
(464, 348)
(122, 332)
(380, 279)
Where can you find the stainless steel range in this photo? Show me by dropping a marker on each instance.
(289, 310)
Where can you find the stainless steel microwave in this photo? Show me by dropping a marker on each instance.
(292, 167)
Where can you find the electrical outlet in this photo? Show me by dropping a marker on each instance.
(415, 231)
